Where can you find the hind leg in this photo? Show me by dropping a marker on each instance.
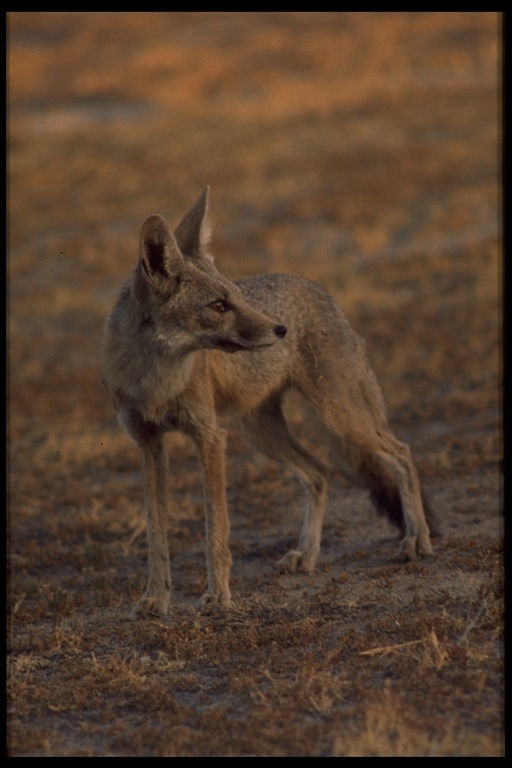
(267, 430)
(367, 448)
(387, 466)
(397, 458)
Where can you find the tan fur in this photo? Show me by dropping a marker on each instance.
(184, 347)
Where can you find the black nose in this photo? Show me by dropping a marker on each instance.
(280, 330)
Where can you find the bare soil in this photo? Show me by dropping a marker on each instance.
(360, 150)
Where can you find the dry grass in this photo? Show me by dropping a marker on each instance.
(359, 150)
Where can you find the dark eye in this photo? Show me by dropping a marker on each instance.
(219, 306)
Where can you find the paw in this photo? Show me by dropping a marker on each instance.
(424, 545)
(215, 601)
(149, 606)
(412, 546)
(296, 560)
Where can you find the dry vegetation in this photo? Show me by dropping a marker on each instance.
(360, 150)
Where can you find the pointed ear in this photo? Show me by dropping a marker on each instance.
(193, 233)
(160, 259)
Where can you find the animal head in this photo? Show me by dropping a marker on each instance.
(183, 295)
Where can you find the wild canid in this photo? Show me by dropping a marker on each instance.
(185, 346)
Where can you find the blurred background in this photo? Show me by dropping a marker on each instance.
(329, 140)
(357, 149)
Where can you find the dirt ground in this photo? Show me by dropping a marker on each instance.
(360, 150)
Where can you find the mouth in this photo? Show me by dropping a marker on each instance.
(227, 345)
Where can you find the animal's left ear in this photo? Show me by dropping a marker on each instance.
(193, 233)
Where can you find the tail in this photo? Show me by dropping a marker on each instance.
(386, 499)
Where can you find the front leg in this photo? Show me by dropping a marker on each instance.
(212, 447)
(150, 440)
(158, 591)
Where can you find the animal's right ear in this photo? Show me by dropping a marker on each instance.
(161, 261)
